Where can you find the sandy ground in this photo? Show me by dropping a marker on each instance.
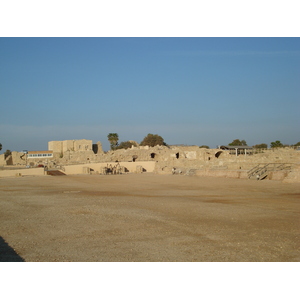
(148, 217)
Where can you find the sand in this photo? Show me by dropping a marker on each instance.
(148, 218)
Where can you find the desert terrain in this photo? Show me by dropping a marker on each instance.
(148, 218)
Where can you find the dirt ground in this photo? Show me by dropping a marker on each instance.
(148, 217)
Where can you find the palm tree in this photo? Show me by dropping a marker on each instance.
(113, 139)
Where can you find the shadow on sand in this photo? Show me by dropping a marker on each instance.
(7, 253)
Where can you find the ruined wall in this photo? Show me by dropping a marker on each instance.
(70, 145)
(246, 162)
(97, 168)
(186, 158)
(14, 159)
(97, 148)
(293, 176)
(183, 157)
(189, 157)
(21, 159)
(46, 161)
(83, 145)
(2, 160)
(72, 157)
(216, 159)
(55, 146)
(23, 172)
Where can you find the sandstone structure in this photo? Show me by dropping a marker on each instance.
(70, 145)
(279, 163)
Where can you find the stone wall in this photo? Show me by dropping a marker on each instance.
(55, 146)
(191, 159)
(97, 168)
(70, 145)
(2, 160)
(16, 158)
(83, 145)
(22, 172)
(293, 176)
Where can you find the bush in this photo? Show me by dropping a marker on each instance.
(260, 146)
(125, 145)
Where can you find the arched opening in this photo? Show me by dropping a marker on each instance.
(134, 158)
(177, 155)
(95, 148)
(152, 155)
(218, 154)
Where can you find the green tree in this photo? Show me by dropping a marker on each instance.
(126, 145)
(204, 146)
(0, 147)
(296, 145)
(113, 138)
(276, 144)
(152, 140)
(237, 142)
(261, 146)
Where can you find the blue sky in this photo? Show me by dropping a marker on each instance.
(194, 91)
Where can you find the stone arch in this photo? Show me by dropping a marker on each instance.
(95, 148)
(217, 155)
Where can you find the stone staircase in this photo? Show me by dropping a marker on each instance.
(261, 171)
(55, 173)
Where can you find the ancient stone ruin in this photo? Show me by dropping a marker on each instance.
(84, 157)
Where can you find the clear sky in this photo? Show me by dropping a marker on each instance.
(194, 91)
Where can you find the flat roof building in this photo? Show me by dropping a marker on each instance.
(237, 150)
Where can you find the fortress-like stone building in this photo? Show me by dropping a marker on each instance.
(70, 145)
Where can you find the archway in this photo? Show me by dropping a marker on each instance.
(218, 154)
